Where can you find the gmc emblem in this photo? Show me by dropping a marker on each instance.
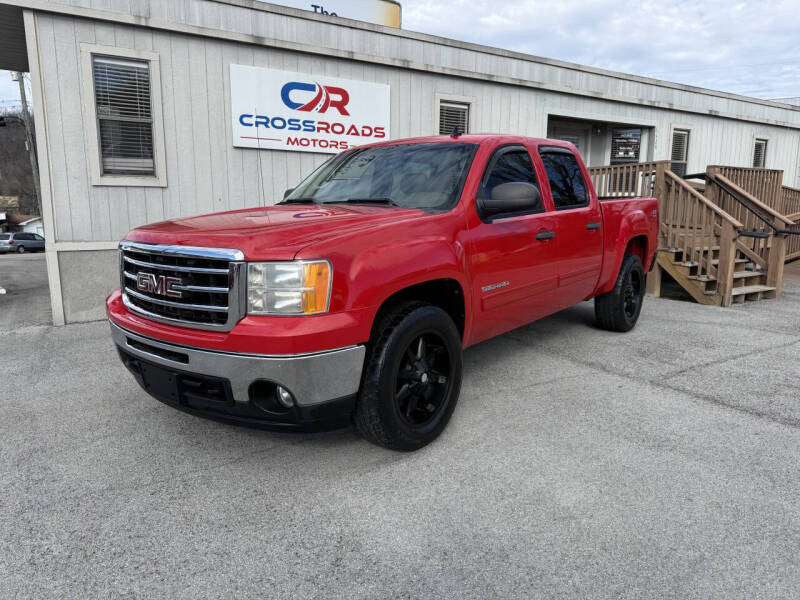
(160, 285)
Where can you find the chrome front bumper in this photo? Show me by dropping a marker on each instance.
(312, 379)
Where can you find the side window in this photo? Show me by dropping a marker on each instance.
(566, 180)
(37, 237)
(509, 166)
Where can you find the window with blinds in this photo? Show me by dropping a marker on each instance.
(760, 154)
(452, 115)
(680, 151)
(124, 115)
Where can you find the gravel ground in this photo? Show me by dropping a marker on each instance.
(579, 463)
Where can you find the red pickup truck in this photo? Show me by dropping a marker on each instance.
(352, 299)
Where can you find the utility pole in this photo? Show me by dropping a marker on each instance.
(26, 117)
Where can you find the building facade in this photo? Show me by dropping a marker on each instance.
(139, 118)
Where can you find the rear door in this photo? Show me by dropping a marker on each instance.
(511, 257)
(580, 225)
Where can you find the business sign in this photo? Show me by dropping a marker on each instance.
(380, 12)
(281, 110)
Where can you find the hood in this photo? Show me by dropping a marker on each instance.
(274, 232)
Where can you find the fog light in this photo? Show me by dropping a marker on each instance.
(285, 397)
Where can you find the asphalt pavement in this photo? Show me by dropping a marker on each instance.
(26, 300)
(578, 464)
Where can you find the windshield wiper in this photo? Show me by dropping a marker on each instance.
(298, 201)
(387, 201)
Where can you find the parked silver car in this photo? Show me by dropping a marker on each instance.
(21, 242)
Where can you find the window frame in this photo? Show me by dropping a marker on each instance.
(545, 149)
(688, 132)
(98, 178)
(497, 153)
(467, 101)
(756, 140)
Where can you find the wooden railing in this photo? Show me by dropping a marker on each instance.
(769, 251)
(693, 224)
(790, 202)
(711, 226)
(790, 206)
(764, 184)
(625, 181)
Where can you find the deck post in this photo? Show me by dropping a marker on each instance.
(660, 192)
(653, 284)
(727, 258)
(776, 259)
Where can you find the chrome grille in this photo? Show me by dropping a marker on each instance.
(202, 288)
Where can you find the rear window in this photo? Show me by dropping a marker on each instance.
(566, 180)
(5, 236)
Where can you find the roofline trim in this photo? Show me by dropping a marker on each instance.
(115, 17)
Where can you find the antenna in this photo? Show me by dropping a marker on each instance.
(456, 132)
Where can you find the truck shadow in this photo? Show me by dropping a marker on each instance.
(489, 357)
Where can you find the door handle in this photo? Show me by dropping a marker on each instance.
(545, 235)
(593, 226)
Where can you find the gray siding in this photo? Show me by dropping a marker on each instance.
(206, 173)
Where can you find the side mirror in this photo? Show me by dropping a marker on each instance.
(511, 197)
(288, 192)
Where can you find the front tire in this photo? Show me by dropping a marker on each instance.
(619, 309)
(412, 378)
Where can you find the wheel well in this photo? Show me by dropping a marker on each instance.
(447, 294)
(638, 246)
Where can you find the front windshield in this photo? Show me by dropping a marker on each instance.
(425, 176)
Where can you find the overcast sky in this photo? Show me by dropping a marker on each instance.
(750, 48)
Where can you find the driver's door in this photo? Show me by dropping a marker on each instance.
(511, 258)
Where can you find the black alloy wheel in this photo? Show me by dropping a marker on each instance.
(632, 294)
(423, 379)
(619, 309)
(412, 377)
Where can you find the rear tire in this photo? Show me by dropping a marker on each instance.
(20, 249)
(412, 378)
(619, 309)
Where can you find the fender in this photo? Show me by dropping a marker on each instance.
(377, 274)
(632, 224)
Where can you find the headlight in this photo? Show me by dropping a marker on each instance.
(288, 288)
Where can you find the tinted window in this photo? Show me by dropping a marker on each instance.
(21, 236)
(426, 176)
(566, 180)
(510, 166)
(5, 236)
(37, 237)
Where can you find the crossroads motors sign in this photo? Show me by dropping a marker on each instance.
(282, 110)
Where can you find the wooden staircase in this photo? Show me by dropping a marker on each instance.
(748, 283)
(718, 240)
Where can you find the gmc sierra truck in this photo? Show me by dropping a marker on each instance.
(352, 300)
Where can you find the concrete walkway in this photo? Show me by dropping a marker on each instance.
(579, 463)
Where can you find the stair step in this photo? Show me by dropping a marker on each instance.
(738, 261)
(751, 289)
(738, 275)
